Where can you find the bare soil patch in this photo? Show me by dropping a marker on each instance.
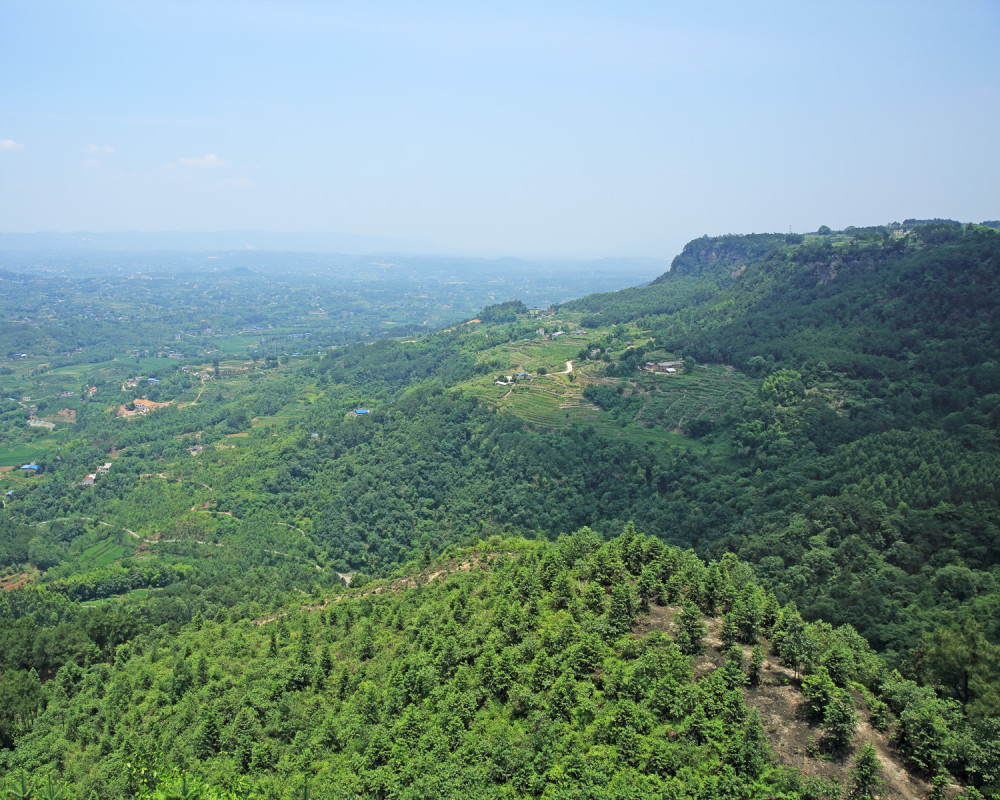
(660, 618)
(12, 582)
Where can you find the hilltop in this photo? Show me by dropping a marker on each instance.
(508, 669)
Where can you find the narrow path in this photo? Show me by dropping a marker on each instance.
(146, 540)
(200, 392)
(212, 511)
(168, 477)
(286, 525)
(394, 587)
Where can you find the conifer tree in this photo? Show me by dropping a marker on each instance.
(865, 774)
(691, 630)
(366, 644)
(840, 720)
(208, 738)
(730, 632)
(620, 613)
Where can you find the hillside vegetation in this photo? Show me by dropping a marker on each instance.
(510, 669)
(805, 427)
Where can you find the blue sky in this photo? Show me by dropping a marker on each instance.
(527, 129)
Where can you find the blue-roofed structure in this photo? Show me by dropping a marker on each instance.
(33, 467)
(362, 411)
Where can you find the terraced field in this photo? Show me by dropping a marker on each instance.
(671, 403)
(101, 554)
(556, 403)
(676, 401)
(35, 450)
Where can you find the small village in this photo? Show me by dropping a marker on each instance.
(665, 367)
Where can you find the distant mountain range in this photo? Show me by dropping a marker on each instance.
(211, 240)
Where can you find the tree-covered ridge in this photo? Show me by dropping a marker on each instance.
(511, 669)
(873, 306)
(923, 304)
(877, 410)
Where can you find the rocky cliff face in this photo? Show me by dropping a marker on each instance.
(722, 257)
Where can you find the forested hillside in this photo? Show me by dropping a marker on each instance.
(871, 445)
(803, 427)
(510, 669)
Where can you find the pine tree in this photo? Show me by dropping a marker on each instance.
(19, 788)
(747, 754)
(866, 774)
(52, 790)
(730, 632)
(246, 731)
(840, 720)
(562, 591)
(818, 691)
(691, 630)
(647, 587)
(938, 785)
(208, 738)
(620, 614)
(562, 697)
(325, 660)
(303, 652)
(201, 670)
(732, 670)
(366, 644)
(697, 725)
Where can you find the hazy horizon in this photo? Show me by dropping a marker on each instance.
(529, 130)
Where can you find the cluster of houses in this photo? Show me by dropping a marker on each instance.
(510, 380)
(556, 334)
(91, 477)
(201, 373)
(131, 383)
(142, 406)
(666, 367)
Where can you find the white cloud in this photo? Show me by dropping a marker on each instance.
(97, 148)
(201, 162)
(9, 144)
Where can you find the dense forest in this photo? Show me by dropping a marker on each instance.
(803, 427)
